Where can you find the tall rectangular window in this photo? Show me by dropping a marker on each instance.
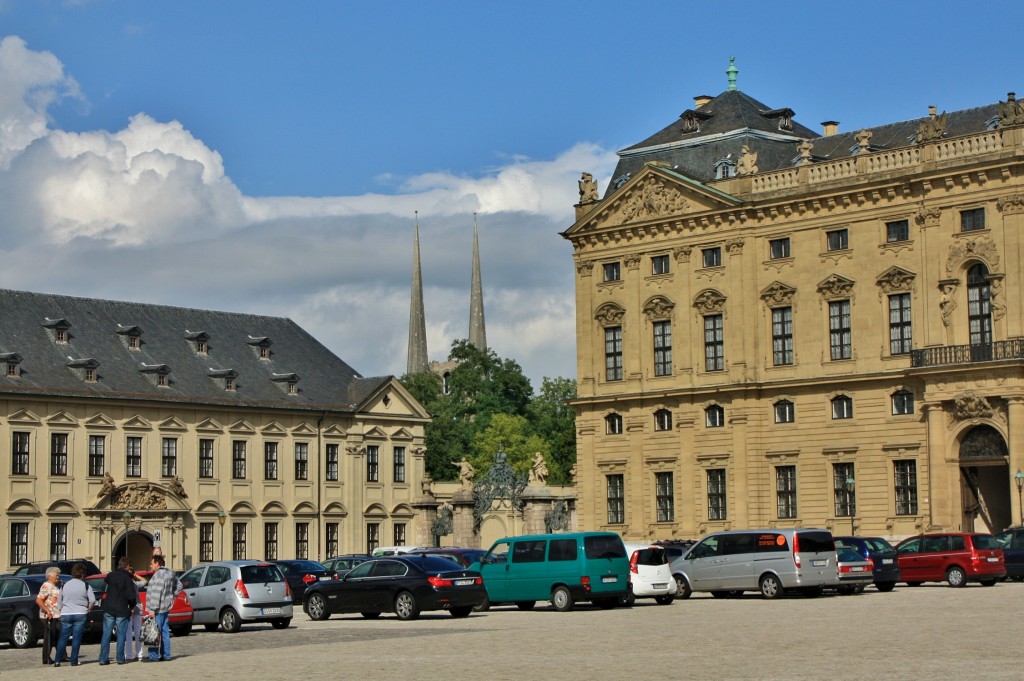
(372, 463)
(906, 487)
(785, 491)
(58, 453)
(714, 343)
(840, 330)
(372, 537)
(717, 509)
(238, 460)
(971, 220)
(97, 455)
(332, 462)
(205, 542)
(782, 336)
(612, 271)
(897, 230)
(58, 541)
(302, 540)
(169, 458)
(133, 457)
(838, 239)
(238, 549)
(665, 497)
(659, 264)
(205, 458)
(616, 499)
(19, 453)
(332, 538)
(663, 348)
(844, 491)
(399, 469)
(19, 543)
(399, 534)
(899, 324)
(270, 461)
(613, 353)
(302, 461)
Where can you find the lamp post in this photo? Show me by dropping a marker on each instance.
(221, 517)
(1018, 478)
(126, 518)
(850, 505)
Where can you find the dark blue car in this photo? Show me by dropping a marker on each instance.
(886, 571)
(1012, 542)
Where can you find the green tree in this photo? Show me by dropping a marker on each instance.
(554, 419)
(511, 434)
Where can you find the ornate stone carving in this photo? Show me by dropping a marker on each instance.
(947, 301)
(659, 307)
(557, 518)
(933, 127)
(1011, 112)
(709, 301)
(805, 148)
(108, 485)
(653, 199)
(632, 261)
(748, 162)
(143, 495)
(929, 217)
(995, 282)
(734, 246)
(863, 142)
(895, 279)
(972, 249)
(588, 189)
(971, 406)
(538, 470)
(609, 314)
(466, 473)
(835, 286)
(502, 487)
(584, 267)
(682, 253)
(1011, 205)
(355, 449)
(178, 488)
(778, 294)
(444, 522)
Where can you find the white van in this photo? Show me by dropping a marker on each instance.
(769, 561)
(394, 550)
(650, 575)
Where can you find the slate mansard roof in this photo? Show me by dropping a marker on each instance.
(98, 337)
(702, 137)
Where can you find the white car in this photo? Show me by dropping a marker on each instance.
(650, 575)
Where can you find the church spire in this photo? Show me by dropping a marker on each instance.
(417, 362)
(477, 332)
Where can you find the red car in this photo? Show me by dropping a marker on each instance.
(180, 620)
(953, 557)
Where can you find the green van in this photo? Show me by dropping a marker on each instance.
(562, 568)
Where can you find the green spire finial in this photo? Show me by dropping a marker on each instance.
(732, 71)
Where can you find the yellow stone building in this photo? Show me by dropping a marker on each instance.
(780, 327)
(215, 435)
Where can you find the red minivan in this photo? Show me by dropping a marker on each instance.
(954, 557)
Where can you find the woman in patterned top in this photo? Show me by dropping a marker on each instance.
(49, 593)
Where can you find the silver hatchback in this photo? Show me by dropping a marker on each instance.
(230, 593)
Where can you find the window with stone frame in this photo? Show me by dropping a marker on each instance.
(711, 257)
(782, 336)
(902, 403)
(785, 491)
(332, 463)
(19, 453)
(785, 412)
(714, 342)
(613, 424)
(662, 420)
(332, 538)
(843, 490)
(717, 508)
(205, 542)
(169, 457)
(399, 464)
(58, 454)
(779, 248)
(714, 416)
(616, 498)
(900, 337)
(837, 239)
(399, 534)
(972, 219)
(302, 541)
(19, 543)
(97, 455)
(133, 457)
(660, 264)
(840, 330)
(238, 459)
(372, 537)
(613, 353)
(842, 407)
(905, 472)
(897, 230)
(58, 541)
(270, 541)
(301, 460)
(372, 463)
(665, 497)
(662, 348)
(205, 458)
(612, 271)
(270, 461)
(238, 541)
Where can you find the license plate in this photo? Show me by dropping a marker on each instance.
(857, 569)
(819, 563)
(660, 585)
(887, 561)
(464, 582)
(609, 580)
(992, 560)
(270, 611)
(325, 578)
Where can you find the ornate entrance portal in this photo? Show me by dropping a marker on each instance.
(984, 481)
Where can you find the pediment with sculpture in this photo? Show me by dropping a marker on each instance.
(142, 495)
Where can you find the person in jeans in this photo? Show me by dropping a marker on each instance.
(160, 594)
(75, 602)
(122, 595)
(135, 623)
(49, 594)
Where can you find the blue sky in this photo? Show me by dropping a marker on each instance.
(268, 156)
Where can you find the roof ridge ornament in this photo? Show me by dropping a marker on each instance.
(732, 72)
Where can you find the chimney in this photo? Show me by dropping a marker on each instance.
(831, 128)
(701, 100)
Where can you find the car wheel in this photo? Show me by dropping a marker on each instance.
(22, 635)
(370, 615)
(405, 606)
(526, 605)
(683, 589)
(988, 582)
(282, 623)
(461, 612)
(886, 587)
(627, 601)
(561, 599)
(956, 578)
(181, 631)
(483, 607)
(770, 586)
(665, 600)
(212, 627)
(229, 621)
(316, 607)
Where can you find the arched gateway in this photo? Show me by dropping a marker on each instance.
(984, 480)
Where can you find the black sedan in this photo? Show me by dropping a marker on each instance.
(19, 614)
(301, 573)
(405, 585)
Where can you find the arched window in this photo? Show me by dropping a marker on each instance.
(842, 407)
(663, 419)
(784, 412)
(902, 402)
(613, 424)
(979, 310)
(714, 416)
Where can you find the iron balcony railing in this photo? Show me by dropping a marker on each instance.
(968, 354)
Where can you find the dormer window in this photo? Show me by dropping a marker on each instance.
(62, 335)
(262, 346)
(725, 168)
(12, 369)
(200, 341)
(228, 377)
(85, 368)
(289, 381)
(12, 364)
(132, 336)
(159, 372)
(692, 120)
(60, 328)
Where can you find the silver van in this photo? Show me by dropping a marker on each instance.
(228, 593)
(769, 561)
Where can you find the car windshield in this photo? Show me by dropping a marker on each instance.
(848, 555)
(985, 541)
(260, 574)
(880, 547)
(651, 556)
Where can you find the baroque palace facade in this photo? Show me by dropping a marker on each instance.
(779, 328)
(214, 435)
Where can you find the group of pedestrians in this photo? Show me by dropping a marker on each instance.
(65, 611)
